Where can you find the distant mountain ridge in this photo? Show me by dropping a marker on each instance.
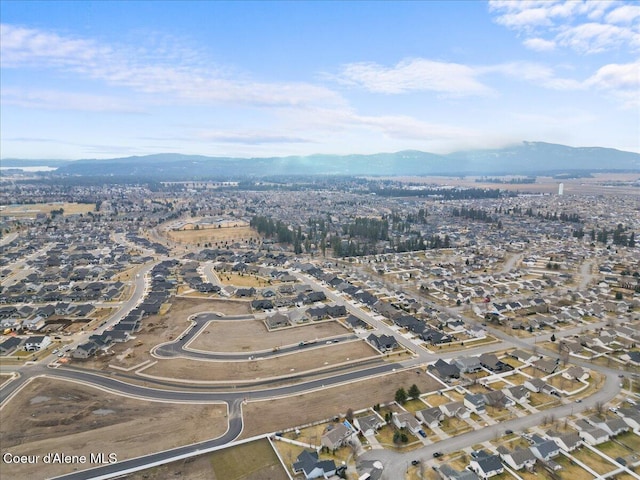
(526, 158)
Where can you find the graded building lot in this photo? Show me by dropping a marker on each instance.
(61, 416)
(287, 364)
(289, 412)
(250, 461)
(252, 335)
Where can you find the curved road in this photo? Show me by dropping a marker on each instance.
(395, 462)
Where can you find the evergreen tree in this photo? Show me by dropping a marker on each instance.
(401, 396)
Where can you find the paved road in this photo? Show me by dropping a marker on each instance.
(179, 348)
(395, 462)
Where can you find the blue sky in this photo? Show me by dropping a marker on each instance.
(107, 78)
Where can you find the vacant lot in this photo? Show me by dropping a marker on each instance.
(224, 234)
(244, 280)
(252, 335)
(277, 414)
(318, 358)
(250, 461)
(55, 416)
(30, 211)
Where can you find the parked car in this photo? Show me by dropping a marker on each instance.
(437, 454)
(422, 433)
(415, 462)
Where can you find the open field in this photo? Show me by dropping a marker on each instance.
(252, 335)
(250, 461)
(228, 371)
(228, 234)
(54, 416)
(244, 280)
(274, 415)
(31, 210)
(598, 184)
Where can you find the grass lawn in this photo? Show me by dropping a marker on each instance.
(614, 450)
(455, 426)
(414, 405)
(630, 440)
(569, 471)
(596, 462)
(436, 400)
(246, 461)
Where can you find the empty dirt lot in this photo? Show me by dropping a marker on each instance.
(309, 359)
(250, 461)
(252, 335)
(273, 415)
(61, 416)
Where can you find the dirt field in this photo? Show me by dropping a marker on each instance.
(327, 356)
(163, 328)
(60, 416)
(229, 234)
(30, 211)
(250, 461)
(247, 280)
(273, 415)
(252, 335)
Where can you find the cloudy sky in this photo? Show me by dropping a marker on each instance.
(103, 79)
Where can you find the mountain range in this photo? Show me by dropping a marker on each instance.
(527, 158)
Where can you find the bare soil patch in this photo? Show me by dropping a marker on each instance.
(54, 416)
(245, 280)
(304, 361)
(273, 415)
(249, 461)
(224, 234)
(31, 210)
(252, 335)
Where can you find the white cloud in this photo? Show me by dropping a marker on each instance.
(250, 137)
(163, 74)
(597, 37)
(412, 75)
(540, 44)
(584, 26)
(60, 100)
(620, 80)
(624, 14)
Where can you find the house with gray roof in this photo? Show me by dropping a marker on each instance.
(517, 459)
(308, 464)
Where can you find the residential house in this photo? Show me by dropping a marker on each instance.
(337, 436)
(383, 343)
(566, 441)
(486, 466)
(576, 373)
(474, 402)
(37, 343)
(524, 357)
(406, 420)
(498, 399)
(446, 472)
(444, 370)
(545, 450)
(468, 364)
(431, 417)
(369, 424)
(308, 464)
(455, 409)
(518, 393)
(517, 459)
